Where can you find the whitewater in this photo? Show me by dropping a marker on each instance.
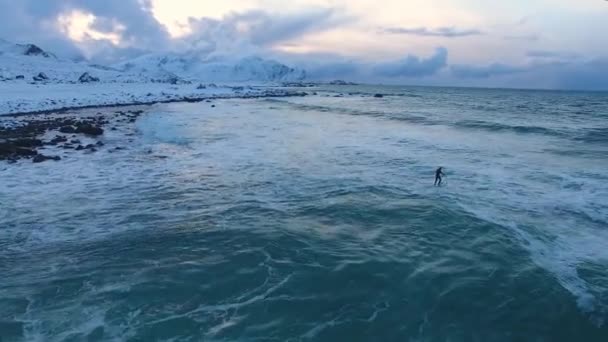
(315, 218)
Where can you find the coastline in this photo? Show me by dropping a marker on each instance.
(30, 99)
(58, 131)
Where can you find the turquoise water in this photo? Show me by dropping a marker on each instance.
(315, 218)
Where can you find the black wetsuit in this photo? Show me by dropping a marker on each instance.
(438, 175)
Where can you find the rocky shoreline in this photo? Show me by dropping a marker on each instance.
(33, 136)
(40, 136)
(193, 98)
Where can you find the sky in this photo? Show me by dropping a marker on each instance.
(511, 43)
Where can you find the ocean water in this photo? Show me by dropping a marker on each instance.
(316, 219)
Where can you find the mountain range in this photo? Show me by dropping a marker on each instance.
(28, 62)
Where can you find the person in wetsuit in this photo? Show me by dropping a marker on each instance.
(438, 175)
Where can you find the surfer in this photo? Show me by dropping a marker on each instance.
(438, 175)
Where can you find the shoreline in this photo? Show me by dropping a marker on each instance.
(58, 132)
(274, 92)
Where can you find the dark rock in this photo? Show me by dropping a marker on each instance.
(40, 77)
(20, 141)
(87, 78)
(191, 100)
(25, 142)
(89, 129)
(42, 158)
(67, 129)
(173, 80)
(89, 146)
(100, 143)
(378, 96)
(201, 86)
(9, 150)
(59, 139)
(25, 152)
(212, 106)
(79, 148)
(298, 84)
(341, 83)
(33, 50)
(20, 77)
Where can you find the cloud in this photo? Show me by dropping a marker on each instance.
(572, 74)
(587, 75)
(524, 20)
(523, 37)
(268, 29)
(413, 66)
(106, 53)
(37, 21)
(133, 27)
(129, 29)
(23, 24)
(323, 67)
(542, 54)
(255, 31)
(486, 71)
(448, 32)
(555, 55)
(335, 70)
(141, 29)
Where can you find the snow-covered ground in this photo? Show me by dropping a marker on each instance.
(24, 97)
(33, 80)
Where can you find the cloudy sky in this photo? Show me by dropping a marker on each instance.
(510, 43)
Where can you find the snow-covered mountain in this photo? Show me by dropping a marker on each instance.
(30, 63)
(26, 63)
(191, 67)
(23, 50)
(34, 80)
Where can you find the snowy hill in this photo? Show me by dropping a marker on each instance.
(252, 69)
(33, 80)
(27, 63)
(23, 50)
(24, 62)
(193, 68)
